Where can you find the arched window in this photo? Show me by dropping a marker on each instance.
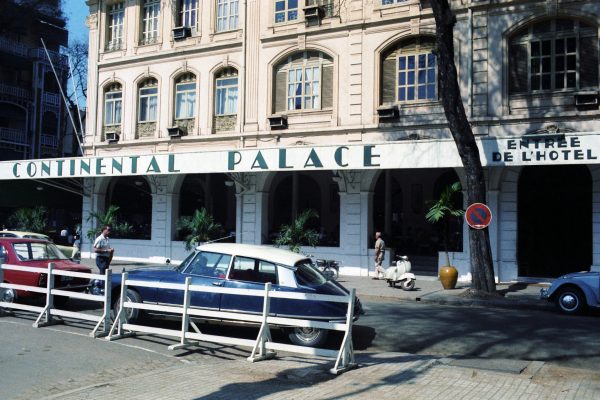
(304, 81)
(185, 96)
(553, 55)
(113, 97)
(148, 100)
(226, 99)
(409, 72)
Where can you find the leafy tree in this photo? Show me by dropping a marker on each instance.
(109, 218)
(29, 219)
(198, 228)
(482, 268)
(443, 209)
(297, 234)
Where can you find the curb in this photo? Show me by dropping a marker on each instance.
(433, 298)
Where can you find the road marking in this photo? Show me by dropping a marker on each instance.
(87, 336)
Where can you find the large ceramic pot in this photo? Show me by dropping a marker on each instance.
(448, 276)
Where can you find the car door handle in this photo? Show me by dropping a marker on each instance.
(218, 283)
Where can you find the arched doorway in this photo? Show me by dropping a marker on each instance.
(294, 192)
(401, 199)
(133, 196)
(554, 229)
(215, 193)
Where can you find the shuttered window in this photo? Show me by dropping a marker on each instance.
(304, 81)
(409, 72)
(553, 55)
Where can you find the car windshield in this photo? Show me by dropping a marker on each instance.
(308, 275)
(38, 251)
(185, 262)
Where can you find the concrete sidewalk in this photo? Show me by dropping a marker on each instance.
(379, 376)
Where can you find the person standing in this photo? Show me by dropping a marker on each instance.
(379, 256)
(104, 252)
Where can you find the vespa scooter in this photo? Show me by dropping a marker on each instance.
(400, 273)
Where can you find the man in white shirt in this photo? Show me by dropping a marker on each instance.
(104, 252)
(379, 256)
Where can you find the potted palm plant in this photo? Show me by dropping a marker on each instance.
(108, 218)
(297, 233)
(443, 210)
(199, 227)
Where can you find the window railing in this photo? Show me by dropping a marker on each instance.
(13, 136)
(11, 46)
(48, 140)
(14, 91)
(57, 58)
(51, 98)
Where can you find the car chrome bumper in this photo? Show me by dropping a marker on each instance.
(544, 294)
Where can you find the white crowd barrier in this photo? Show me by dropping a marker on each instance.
(47, 312)
(263, 347)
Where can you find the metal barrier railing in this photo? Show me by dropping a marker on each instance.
(262, 347)
(47, 312)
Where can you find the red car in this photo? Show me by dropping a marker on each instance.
(37, 253)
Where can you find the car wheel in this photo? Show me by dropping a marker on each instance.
(309, 337)
(408, 284)
(8, 295)
(570, 300)
(131, 314)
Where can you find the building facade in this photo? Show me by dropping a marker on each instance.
(258, 110)
(32, 114)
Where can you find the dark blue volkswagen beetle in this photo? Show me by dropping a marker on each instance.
(244, 266)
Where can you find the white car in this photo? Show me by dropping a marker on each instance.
(574, 293)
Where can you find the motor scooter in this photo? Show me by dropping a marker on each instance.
(329, 268)
(400, 273)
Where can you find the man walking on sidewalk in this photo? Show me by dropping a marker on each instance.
(379, 256)
(104, 253)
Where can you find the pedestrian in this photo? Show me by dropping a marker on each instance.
(379, 256)
(104, 253)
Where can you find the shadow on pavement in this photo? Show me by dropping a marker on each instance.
(315, 373)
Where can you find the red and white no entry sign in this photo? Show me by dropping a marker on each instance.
(478, 216)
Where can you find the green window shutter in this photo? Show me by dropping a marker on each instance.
(588, 62)
(517, 70)
(279, 92)
(388, 80)
(327, 87)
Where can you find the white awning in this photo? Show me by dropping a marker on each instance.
(550, 149)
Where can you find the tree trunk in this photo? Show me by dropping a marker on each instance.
(482, 268)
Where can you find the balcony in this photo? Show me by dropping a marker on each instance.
(13, 47)
(14, 92)
(49, 140)
(52, 99)
(58, 59)
(13, 136)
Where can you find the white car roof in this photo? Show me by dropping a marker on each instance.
(267, 253)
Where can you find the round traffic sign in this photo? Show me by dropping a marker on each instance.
(478, 216)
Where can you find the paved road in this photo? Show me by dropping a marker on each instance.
(480, 332)
(37, 357)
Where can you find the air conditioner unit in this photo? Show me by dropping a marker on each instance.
(176, 131)
(313, 14)
(278, 121)
(112, 137)
(181, 32)
(388, 113)
(586, 100)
